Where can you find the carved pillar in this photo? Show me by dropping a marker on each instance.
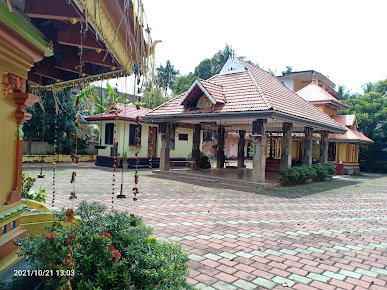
(241, 149)
(308, 146)
(324, 147)
(259, 152)
(196, 146)
(286, 157)
(22, 100)
(220, 154)
(165, 151)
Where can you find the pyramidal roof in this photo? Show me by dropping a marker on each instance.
(315, 94)
(246, 88)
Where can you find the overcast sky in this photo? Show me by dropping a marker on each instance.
(344, 40)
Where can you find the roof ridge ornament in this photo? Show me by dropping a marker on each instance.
(232, 65)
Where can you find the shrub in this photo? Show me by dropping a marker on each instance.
(297, 174)
(204, 160)
(106, 250)
(27, 182)
(323, 171)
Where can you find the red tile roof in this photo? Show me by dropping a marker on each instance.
(252, 90)
(125, 112)
(352, 134)
(316, 94)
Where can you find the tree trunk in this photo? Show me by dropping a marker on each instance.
(29, 146)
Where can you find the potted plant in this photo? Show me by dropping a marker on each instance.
(125, 160)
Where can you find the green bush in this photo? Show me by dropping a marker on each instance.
(204, 160)
(106, 250)
(297, 174)
(323, 171)
(27, 182)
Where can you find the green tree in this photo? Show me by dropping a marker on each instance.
(368, 87)
(371, 112)
(183, 83)
(288, 70)
(341, 90)
(204, 70)
(152, 98)
(166, 76)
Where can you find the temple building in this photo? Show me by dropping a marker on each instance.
(246, 100)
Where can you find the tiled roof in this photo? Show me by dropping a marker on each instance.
(214, 90)
(253, 90)
(346, 120)
(316, 94)
(351, 134)
(125, 112)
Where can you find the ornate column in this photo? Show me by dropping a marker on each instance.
(241, 149)
(259, 152)
(286, 157)
(196, 145)
(220, 154)
(308, 146)
(324, 147)
(165, 151)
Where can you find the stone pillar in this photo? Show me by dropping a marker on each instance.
(196, 146)
(259, 152)
(220, 154)
(241, 149)
(308, 146)
(165, 138)
(324, 147)
(286, 156)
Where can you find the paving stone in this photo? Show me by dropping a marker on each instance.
(223, 286)
(282, 281)
(318, 277)
(259, 253)
(264, 283)
(300, 279)
(275, 253)
(243, 284)
(366, 272)
(201, 286)
(212, 257)
(350, 273)
(380, 271)
(227, 255)
(334, 275)
(196, 258)
(244, 254)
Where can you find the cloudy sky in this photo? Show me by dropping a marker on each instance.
(345, 40)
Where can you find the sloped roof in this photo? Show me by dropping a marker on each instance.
(316, 94)
(249, 91)
(345, 120)
(212, 91)
(351, 134)
(125, 112)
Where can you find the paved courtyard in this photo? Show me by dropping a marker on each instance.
(330, 235)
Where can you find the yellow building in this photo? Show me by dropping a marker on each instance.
(342, 148)
(123, 131)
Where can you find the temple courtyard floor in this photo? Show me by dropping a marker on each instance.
(330, 235)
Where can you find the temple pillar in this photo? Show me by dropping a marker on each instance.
(324, 147)
(220, 153)
(259, 151)
(286, 156)
(196, 146)
(165, 151)
(308, 146)
(241, 149)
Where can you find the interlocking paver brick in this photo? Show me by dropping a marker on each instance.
(283, 281)
(244, 284)
(225, 277)
(223, 286)
(318, 277)
(264, 283)
(338, 227)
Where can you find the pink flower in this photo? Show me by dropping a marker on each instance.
(107, 234)
(50, 236)
(111, 248)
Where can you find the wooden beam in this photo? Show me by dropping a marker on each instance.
(72, 37)
(91, 56)
(47, 69)
(53, 9)
(71, 61)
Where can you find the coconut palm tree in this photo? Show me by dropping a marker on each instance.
(166, 76)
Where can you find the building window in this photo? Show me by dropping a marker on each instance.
(13, 225)
(172, 137)
(109, 132)
(5, 230)
(332, 151)
(132, 135)
(183, 137)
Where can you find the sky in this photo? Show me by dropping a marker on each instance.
(344, 40)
